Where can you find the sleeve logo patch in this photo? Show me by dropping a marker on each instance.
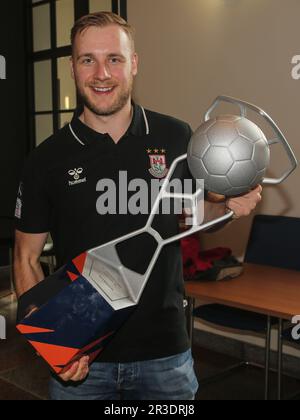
(18, 212)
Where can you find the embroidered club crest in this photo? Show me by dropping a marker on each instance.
(158, 166)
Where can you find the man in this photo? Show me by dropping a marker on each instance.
(149, 357)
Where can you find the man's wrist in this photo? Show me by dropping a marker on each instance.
(212, 197)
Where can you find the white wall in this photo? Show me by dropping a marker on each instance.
(194, 50)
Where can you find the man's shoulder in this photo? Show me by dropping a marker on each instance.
(53, 147)
(57, 140)
(160, 122)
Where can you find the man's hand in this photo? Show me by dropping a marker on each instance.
(245, 204)
(77, 372)
(31, 310)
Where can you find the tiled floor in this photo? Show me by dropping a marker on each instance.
(5, 287)
(242, 383)
(23, 376)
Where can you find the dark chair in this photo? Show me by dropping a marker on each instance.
(272, 242)
(275, 241)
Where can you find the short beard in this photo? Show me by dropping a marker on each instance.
(121, 102)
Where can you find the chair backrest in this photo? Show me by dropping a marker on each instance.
(275, 241)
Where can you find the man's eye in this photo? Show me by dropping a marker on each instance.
(87, 61)
(115, 60)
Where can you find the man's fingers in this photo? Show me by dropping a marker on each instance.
(70, 373)
(78, 372)
(31, 311)
(244, 205)
(239, 209)
(259, 188)
(82, 370)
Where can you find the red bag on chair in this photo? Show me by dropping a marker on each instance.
(204, 264)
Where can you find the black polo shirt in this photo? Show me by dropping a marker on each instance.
(59, 194)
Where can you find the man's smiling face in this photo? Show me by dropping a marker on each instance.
(104, 65)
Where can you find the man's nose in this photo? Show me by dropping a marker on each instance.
(102, 72)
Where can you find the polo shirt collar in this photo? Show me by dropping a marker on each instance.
(85, 135)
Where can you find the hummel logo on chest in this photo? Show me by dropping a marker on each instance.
(76, 174)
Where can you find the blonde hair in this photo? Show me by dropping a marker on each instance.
(101, 19)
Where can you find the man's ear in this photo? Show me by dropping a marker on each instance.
(72, 67)
(135, 63)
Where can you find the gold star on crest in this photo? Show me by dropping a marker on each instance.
(156, 151)
(149, 151)
(163, 151)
